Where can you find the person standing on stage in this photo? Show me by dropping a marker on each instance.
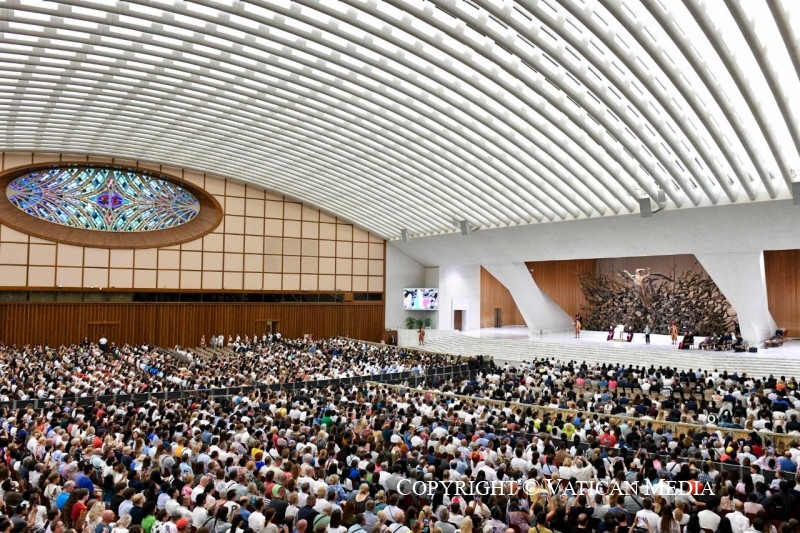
(673, 332)
(646, 332)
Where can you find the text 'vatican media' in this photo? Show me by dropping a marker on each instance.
(550, 488)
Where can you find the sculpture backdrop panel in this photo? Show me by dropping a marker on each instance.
(642, 298)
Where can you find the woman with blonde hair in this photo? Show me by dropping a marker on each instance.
(187, 488)
(380, 526)
(122, 524)
(466, 526)
(658, 503)
(93, 516)
(360, 499)
(380, 503)
(565, 470)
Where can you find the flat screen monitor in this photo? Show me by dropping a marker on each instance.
(421, 299)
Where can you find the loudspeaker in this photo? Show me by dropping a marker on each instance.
(404, 235)
(753, 349)
(645, 209)
(796, 192)
(465, 229)
(662, 196)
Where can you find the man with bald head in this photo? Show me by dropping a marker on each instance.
(61, 500)
(399, 526)
(200, 488)
(739, 522)
(105, 524)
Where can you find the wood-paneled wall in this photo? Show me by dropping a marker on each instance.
(167, 324)
(782, 271)
(494, 295)
(559, 280)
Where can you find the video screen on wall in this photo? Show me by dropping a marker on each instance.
(421, 299)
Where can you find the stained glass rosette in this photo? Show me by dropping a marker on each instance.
(103, 199)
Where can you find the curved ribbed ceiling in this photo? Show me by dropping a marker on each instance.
(415, 115)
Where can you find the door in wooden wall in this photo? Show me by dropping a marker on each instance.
(498, 317)
(458, 319)
(265, 325)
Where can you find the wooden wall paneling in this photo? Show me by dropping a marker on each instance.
(494, 295)
(168, 324)
(782, 269)
(559, 281)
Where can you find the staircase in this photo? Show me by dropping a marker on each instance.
(515, 351)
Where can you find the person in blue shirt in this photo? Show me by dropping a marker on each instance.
(786, 464)
(85, 481)
(61, 500)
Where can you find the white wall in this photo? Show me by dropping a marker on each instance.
(401, 272)
(747, 227)
(460, 288)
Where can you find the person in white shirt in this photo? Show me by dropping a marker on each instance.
(755, 473)
(647, 514)
(739, 522)
(708, 518)
(581, 470)
(256, 521)
(199, 513)
(745, 454)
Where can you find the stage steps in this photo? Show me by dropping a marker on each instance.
(514, 351)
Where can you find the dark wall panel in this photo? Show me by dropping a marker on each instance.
(782, 271)
(494, 295)
(559, 280)
(167, 324)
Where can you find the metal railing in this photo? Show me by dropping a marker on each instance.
(779, 440)
(414, 378)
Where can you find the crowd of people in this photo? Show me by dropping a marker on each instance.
(86, 369)
(649, 393)
(376, 458)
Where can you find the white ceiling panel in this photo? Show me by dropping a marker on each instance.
(415, 115)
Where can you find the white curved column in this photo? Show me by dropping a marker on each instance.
(740, 276)
(538, 310)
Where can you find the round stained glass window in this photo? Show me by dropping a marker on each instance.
(103, 199)
(105, 206)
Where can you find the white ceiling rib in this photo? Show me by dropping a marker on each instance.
(790, 40)
(743, 85)
(414, 114)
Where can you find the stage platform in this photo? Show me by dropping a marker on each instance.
(516, 345)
